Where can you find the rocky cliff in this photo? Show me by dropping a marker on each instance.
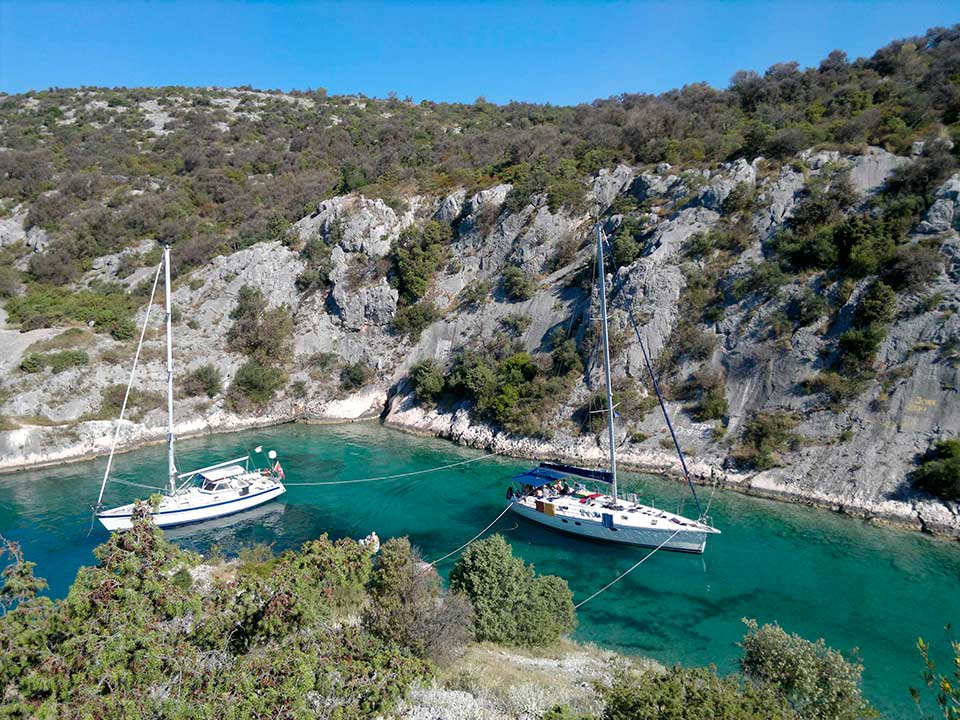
(852, 455)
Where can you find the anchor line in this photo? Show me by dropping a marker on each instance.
(471, 540)
(395, 476)
(623, 575)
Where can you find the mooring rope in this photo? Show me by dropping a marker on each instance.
(395, 476)
(475, 537)
(140, 485)
(623, 575)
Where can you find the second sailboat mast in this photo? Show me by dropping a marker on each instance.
(606, 358)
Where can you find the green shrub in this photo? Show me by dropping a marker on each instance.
(9, 281)
(817, 681)
(512, 605)
(428, 381)
(409, 606)
(807, 308)
(517, 284)
(945, 688)
(912, 267)
(255, 383)
(682, 693)
(765, 436)
(205, 380)
(265, 336)
(837, 387)
(475, 293)
(278, 631)
(712, 405)
(857, 348)
(742, 199)
(878, 306)
(355, 376)
(939, 470)
(33, 363)
(765, 279)
(108, 307)
(416, 255)
(412, 320)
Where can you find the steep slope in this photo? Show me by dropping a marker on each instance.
(342, 258)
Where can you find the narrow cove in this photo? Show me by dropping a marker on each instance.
(816, 573)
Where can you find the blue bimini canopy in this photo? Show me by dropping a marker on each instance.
(547, 473)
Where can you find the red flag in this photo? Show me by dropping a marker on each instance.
(279, 471)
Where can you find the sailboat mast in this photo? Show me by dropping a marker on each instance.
(606, 359)
(171, 465)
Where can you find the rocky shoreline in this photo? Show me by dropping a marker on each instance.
(402, 414)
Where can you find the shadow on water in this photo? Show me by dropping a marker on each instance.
(817, 574)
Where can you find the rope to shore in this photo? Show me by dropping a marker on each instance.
(623, 575)
(140, 485)
(395, 476)
(475, 537)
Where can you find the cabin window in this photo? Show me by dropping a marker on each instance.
(563, 520)
(576, 522)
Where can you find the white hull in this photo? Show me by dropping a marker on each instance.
(687, 540)
(169, 515)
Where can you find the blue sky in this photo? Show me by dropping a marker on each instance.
(560, 52)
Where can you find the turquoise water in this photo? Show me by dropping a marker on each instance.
(816, 573)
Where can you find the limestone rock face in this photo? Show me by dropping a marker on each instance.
(869, 172)
(944, 214)
(11, 227)
(778, 200)
(733, 174)
(358, 224)
(854, 458)
(452, 206)
(358, 307)
(610, 183)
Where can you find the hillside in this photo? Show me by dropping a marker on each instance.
(788, 246)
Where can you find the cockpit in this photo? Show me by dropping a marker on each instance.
(218, 479)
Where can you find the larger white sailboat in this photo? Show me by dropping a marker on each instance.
(214, 491)
(555, 495)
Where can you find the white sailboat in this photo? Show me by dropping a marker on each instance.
(214, 491)
(543, 495)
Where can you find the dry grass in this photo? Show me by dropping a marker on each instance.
(514, 682)
(71, 339)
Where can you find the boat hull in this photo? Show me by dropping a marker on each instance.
(172, 518)
(690, 541)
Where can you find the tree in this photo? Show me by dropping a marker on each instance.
(690, 694)
(410, 607)
(517, 284)
(256, 383)
(428, 381)
(817, 681)
(511, 604)
(204, 380)
(265, 336)
(938, 472)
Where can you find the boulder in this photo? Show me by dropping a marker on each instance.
(944, 214)
(452, 206)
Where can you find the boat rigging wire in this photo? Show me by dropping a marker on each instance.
(475, 537)
(396, 476)
(620, 577)
(618, 288)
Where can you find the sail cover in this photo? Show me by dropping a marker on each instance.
(547, 473)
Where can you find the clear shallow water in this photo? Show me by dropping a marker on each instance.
(816, 573)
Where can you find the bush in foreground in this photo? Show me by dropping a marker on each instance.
(512, 605)
(817, 681)
(135, 638)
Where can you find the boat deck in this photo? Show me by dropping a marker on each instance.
(627, 514)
